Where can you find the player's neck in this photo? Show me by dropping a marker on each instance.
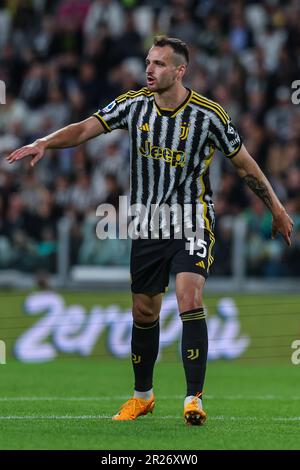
(172, 98)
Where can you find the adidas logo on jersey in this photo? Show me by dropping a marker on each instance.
(200, 264)
(144, 127)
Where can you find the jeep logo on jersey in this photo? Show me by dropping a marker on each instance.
(173, 157)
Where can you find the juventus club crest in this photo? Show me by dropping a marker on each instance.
(184, 130)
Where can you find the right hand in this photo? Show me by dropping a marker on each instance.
(35, 150)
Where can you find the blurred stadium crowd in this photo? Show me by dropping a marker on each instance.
(61, 60)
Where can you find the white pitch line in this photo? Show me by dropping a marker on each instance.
(97, 417)
(86, 417)
(63, 398)
(168, 397)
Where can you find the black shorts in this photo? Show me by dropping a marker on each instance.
(152, 261)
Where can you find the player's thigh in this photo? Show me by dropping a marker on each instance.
(146, 307)
(189, 288)
(149, 267)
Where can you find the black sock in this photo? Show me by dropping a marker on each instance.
(144, 349)
(194, 349)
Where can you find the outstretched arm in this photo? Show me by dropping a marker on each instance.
(248, 169)
(69, 136)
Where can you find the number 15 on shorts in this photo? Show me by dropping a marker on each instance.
(199, 245)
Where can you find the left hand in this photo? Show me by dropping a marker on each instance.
(282, 223)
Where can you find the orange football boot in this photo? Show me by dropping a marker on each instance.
(133, 408)
(193, 413)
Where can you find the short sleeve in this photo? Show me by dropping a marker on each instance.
(224, 134)
(114, 115)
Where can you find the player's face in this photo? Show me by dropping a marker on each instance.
(161, 69)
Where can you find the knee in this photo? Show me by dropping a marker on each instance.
(189, 299)
(143, 313)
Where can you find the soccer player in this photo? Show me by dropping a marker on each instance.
(173, 134)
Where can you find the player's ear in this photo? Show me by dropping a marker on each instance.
(181, 69)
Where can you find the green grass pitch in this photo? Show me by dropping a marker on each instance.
(252, 402)
(68, 404)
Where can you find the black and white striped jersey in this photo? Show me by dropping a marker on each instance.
(171, 149)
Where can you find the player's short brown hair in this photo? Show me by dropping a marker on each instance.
(178, 46)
